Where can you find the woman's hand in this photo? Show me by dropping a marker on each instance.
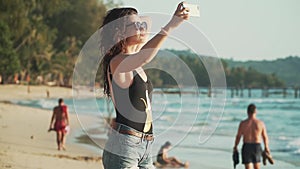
(181, 13)
(50, 129)
(179, 16)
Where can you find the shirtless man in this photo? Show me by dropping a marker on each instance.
(60, 117)
(252, 130)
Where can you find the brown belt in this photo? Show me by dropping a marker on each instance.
(148, 137)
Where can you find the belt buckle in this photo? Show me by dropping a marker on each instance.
(145, 137)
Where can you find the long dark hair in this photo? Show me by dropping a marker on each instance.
(112, 41)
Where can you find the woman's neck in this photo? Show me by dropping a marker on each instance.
(131, 49)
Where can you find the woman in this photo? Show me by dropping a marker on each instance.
(126, 51)
(165, 161)
(60, 123)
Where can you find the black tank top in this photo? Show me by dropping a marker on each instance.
(131, 102)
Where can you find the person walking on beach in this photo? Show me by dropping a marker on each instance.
(60, 123)
(252, 130)
(165, 161)
(126, 50)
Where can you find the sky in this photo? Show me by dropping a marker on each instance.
(239, 29)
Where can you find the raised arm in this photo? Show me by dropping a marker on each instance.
(150, 49)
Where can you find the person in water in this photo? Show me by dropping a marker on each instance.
(165, 161)
(253, 131)
(60, 123)
(126, 49)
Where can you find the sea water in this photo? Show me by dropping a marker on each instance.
(199, 135)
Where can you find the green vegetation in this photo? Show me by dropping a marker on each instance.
(235, 76)
(286, 69)
(42, 39)
(251, 78)
(9, 63)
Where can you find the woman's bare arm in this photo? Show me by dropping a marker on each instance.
(52, 119)
(121, 63)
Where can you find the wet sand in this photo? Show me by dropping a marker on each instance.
(25, 141)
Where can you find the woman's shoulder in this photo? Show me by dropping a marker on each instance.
(116, 61)
(64, 108)
(55, 108)
(118, 58)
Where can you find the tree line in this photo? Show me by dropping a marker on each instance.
(240, 77)
(287, 68)
(43, 38)
(40, 42)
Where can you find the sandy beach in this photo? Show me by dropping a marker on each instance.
(26, 143)
(24, 140)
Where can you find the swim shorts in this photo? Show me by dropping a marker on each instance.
(251, 153)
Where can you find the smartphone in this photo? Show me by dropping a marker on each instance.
(194, 10)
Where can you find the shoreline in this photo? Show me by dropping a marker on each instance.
(19, 150)
(19, 92)
(25, 141)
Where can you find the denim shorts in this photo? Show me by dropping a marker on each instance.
(124, 151)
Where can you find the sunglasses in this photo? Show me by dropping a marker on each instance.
(139, 25)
